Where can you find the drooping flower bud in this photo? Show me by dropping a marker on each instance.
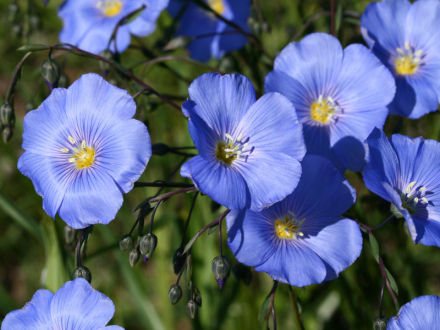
(197, 296)
(380, 323)
(160, 149)
(63, 82)
(82, 272)
(51, 72)
(69, 234)
(178, 260)
(148, 244)
(7, 134)
(7, 114)
(191, 308)
(125, 243)
(175, 294)
(221, 268)
(133, 257)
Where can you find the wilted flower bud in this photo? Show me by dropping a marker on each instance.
(7, 114)
(108, 55)
(221, 267)
(148, 244)
(191, 308)
(125, 243)
(7, 134)
(178, 260)
(63, 82)
(82, 272)
(12, 11)
(69, 234)
(160, 149)
(380, 323)
(178, 42)
(175, 294)
(51, 72)
(133, 257)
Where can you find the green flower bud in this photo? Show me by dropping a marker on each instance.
(191, 308)
(63, 82)
(178, 260)
(7, 134)
(82, 272)
(69, 234)
(380, 323)
(51, 72)
(7, 114)
(221, 268)
(197, 296)
(148, 244)
(133, 257)
(175, 294)
(160, 149)
(126, 243)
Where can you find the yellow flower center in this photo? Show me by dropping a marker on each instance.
(408, 62)
(288, 227)
(217, 5)
(110, 8)
(230, 150)
(323, 110)
(82, 155)
(410, 200)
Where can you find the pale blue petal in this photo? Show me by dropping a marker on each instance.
(124, 152)
(221, 182)
(51, 178)
(250, 237)
(315, 62)
(294, 263)
(145, 24)
(267, 189)
(35, 315)
(322, 191)
(420, 313)
(336, 241)
(222, 101)
(92, 198)
(77, 306)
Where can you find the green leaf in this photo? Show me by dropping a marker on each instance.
(264, 308)
(190, 243)
(374, 247)
(392, 282)
(212, 229)
(133, 16)
(33, 48)
(338, 18)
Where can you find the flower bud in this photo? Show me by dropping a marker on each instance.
(133, 257)
(160, 149)
(125, 243)
(221, 267)
(7, 114)
(175, 294)
(7, 134)
(108, 55)
(197, 296)
(148, 244)
(380, 323)
(13, 11)
(82, 272)
(178, 260)
(63, 82)
(69, 234)
(51, 72)
(191, 308)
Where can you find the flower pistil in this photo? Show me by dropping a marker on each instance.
(323, 110)
(230, 150)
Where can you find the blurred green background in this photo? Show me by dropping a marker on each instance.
(34, 255)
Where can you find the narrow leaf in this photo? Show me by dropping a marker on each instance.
(374, 247)
(264, 307)
(190, 243)
(392, 282)
(212, 229)
(32, 48)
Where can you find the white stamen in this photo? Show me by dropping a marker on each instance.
(83, 144)
(71, 139)
(407, 47)
(65, 150)
(412, 184)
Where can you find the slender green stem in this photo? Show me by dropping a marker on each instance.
(296, 315)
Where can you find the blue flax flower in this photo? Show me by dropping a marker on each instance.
(405, 172)
(339, 95)
(301, 240)
(75, 306)
(89, 24)
(83, 150)
(249, 151)
(421, 313)
(406, 38)
(220, 37)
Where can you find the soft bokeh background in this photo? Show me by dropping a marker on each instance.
(33, 253)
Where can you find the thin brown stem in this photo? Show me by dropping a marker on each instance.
(14, 77)
(308, 22)
(172, 193)
(165, 184)
(189, 218)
